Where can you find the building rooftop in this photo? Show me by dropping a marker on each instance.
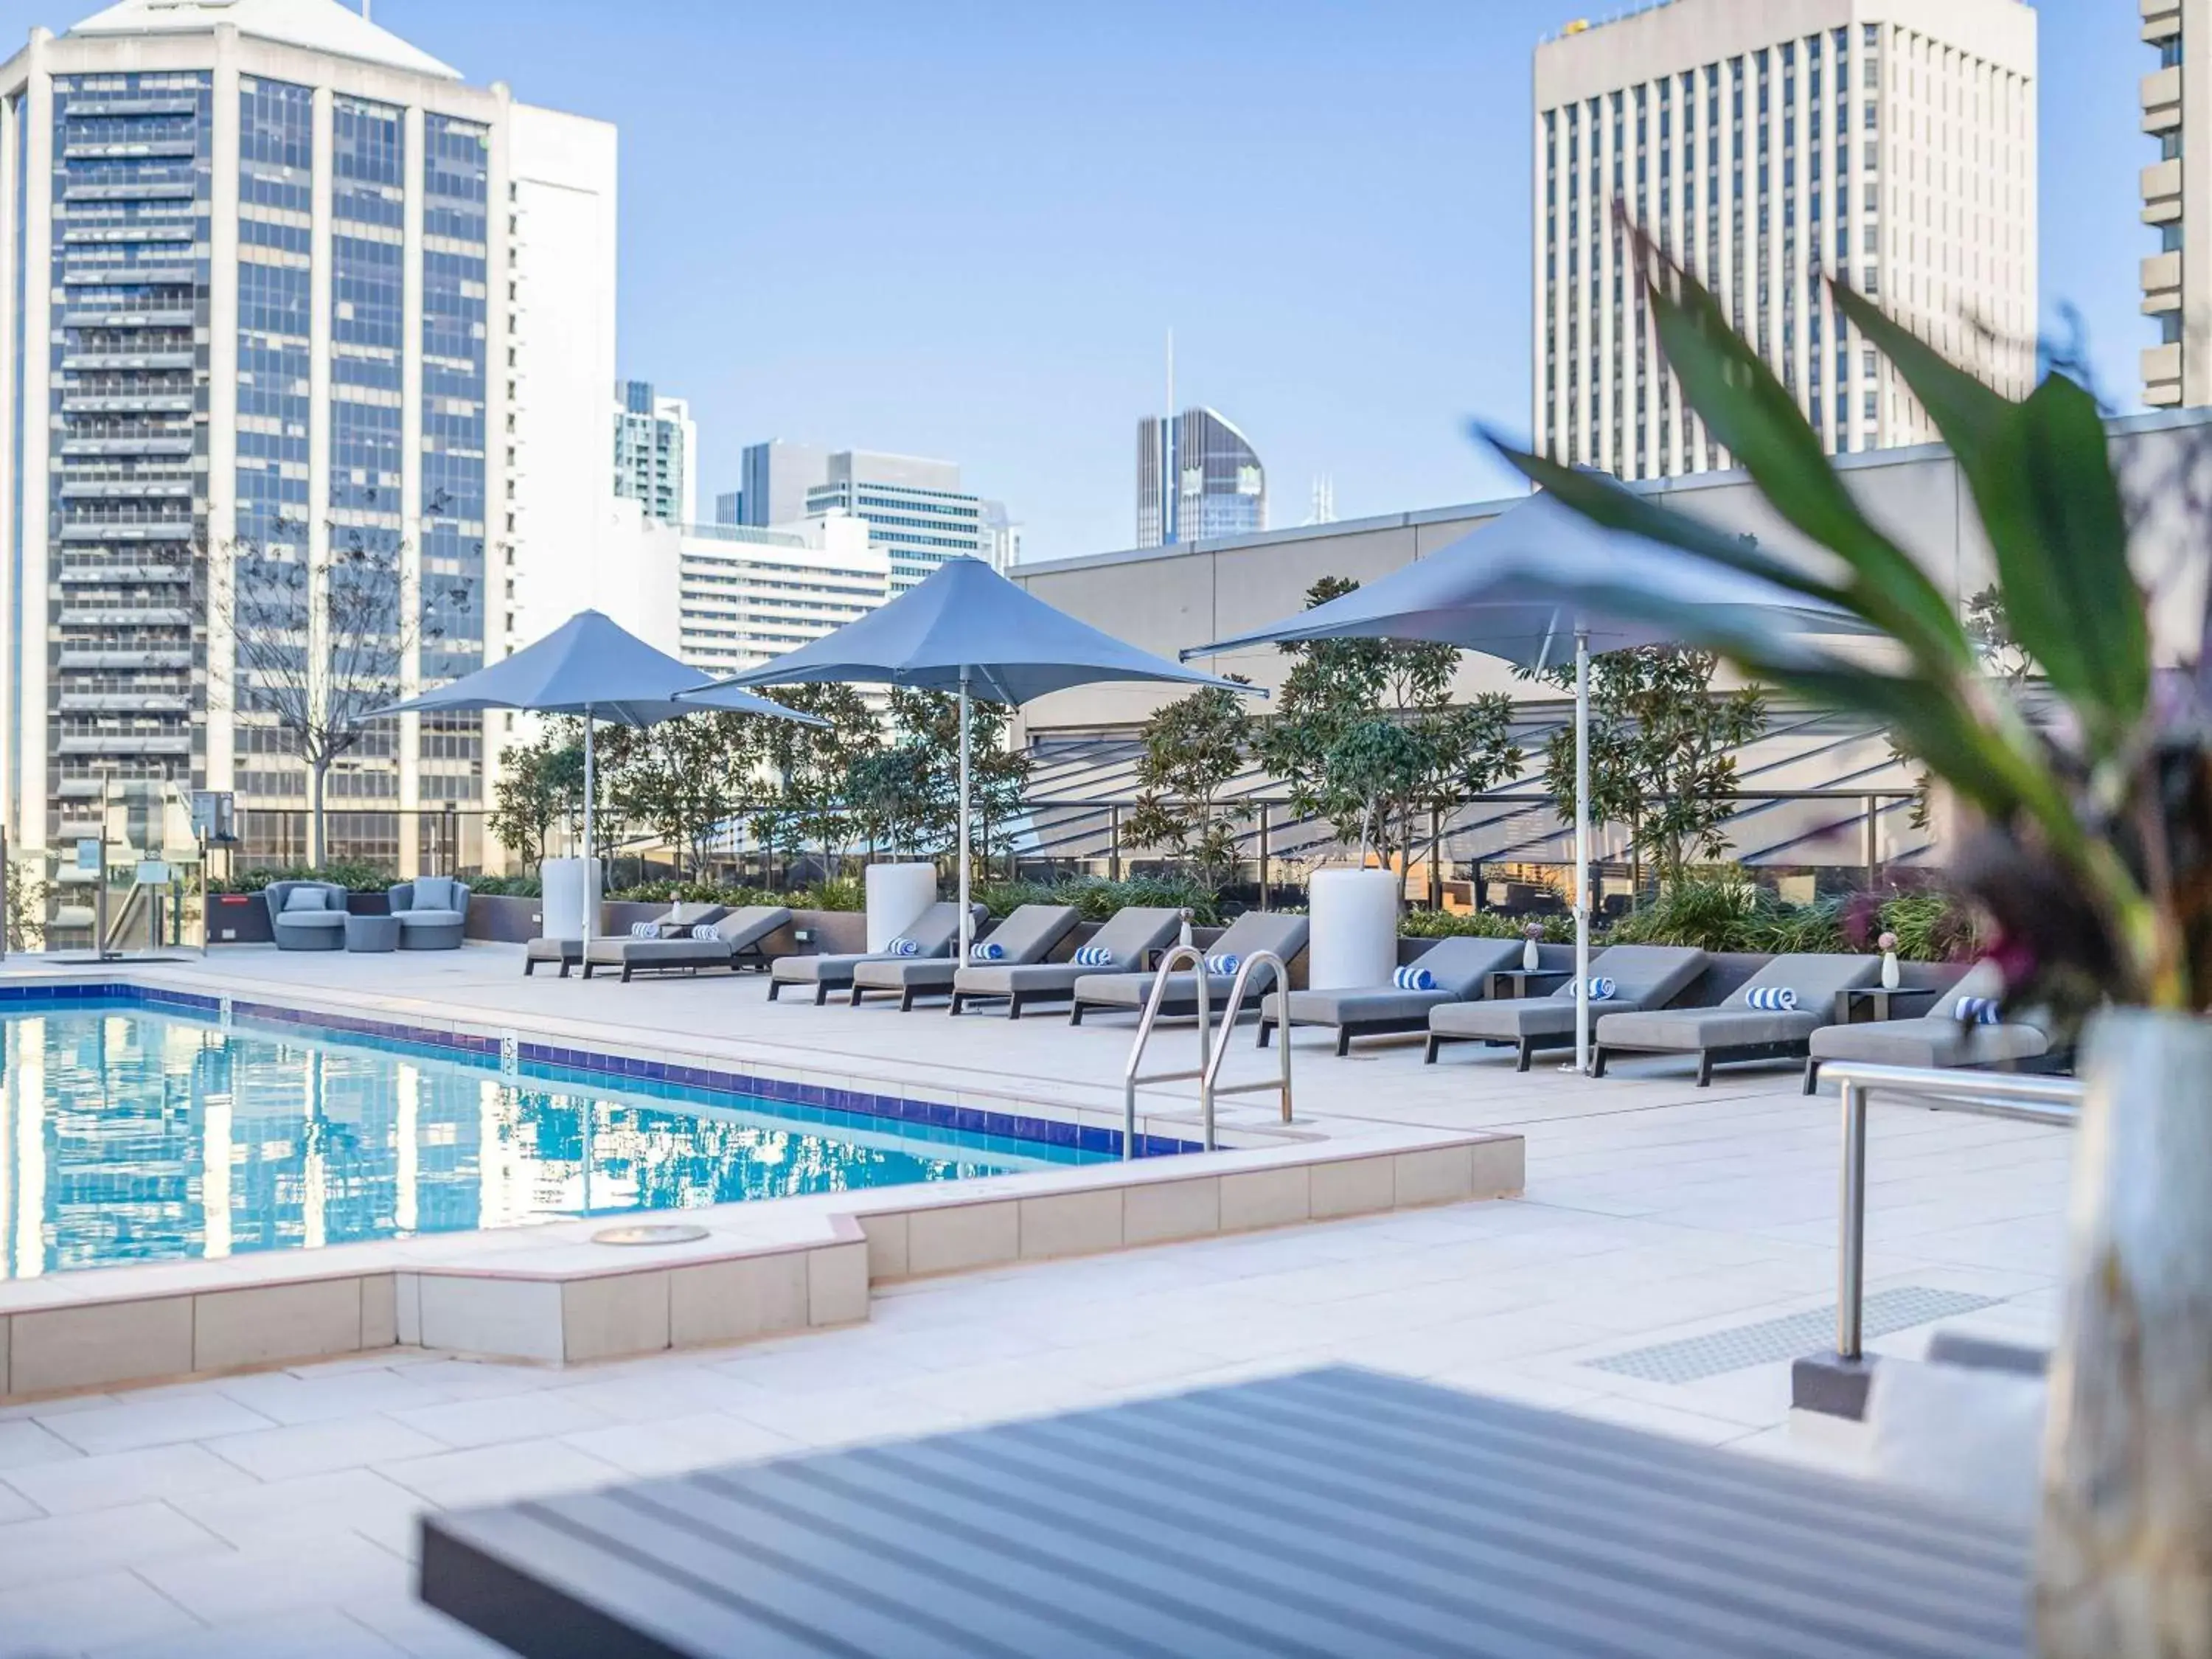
(318, 24)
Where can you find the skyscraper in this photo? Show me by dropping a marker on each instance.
(916, 509)
(656, 453)
(1762, 142)
(2177, 197)
(1198, 478)
(284, 260)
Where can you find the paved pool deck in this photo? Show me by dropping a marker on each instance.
(274, 1512)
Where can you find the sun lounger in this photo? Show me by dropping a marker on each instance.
(570, 951)
(1461, 967)
(1027, 936)
(1255, 930)
(1738, 1028)
(732, 941)
(1643, 975)
(1939, 1037)
(1128, 937)
(932, 933)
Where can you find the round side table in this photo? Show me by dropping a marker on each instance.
(372, 934)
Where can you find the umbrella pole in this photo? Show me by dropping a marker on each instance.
(591, 789)
(1582, 854)
(967, 919)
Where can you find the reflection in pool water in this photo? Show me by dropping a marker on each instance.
(126, 1136)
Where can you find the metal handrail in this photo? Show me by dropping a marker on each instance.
(1209, 1086)
(1130, 1077)
(2046, 1100)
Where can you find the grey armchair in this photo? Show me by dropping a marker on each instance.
(432, 911)
(307, 915)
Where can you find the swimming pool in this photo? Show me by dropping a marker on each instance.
(128, 1134)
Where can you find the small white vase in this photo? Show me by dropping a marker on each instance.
(1531, 958)
(2124, 1567)
(1889, 970)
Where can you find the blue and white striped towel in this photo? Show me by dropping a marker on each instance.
(1979, 1011)
(645, 930)
(985, 950)
(1094, 956)
(1601, 988)
(904, 947)
(1414, 978)
(1772, 998)
(1224, 964)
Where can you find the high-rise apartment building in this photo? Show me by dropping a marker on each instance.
(916, 509)
(1762, 144)
(750, 594)
(283, 286)
(2177, 197)
(656, 453)
(1198, 478)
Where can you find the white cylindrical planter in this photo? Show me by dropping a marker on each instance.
(897, 893)
(1354, 941)
(567, 886)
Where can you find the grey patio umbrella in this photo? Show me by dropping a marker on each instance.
(1540, 586)
(964, 626)
(591, 666)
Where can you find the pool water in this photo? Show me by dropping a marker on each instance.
(129, 1136)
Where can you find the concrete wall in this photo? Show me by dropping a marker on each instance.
(1168, 599)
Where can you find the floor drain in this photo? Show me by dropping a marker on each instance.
(666, 1234)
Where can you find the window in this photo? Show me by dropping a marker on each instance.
(2169, 52)
(2169, 145)
(2169, 327)
(2169, 236)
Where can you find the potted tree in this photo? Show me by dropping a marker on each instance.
(2088, 842)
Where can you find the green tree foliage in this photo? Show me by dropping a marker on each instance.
(913, 789)
(540, 784)
(806, 806)
(1327, 744)
(1194, 748)
(685, 779)
(1661, 760)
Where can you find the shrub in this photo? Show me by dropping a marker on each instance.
(1710, 914)
(1932, 927)
(1558, 928)
(354, 878)
(506, 886)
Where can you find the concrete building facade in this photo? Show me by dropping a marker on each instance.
(748, 592)
(2177, 202)
(1761, 144)
(284, 286)
(917, 509)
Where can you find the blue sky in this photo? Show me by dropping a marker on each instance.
(963, 229)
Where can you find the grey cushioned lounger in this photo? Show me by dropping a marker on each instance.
(1643, 975)
(570, 951)
(1461, 967)
(1027, 935)
(734, 942)
(1735, 1029)
(1130, 935)
(1937, 1037)
(933, 931)
(1255, 930)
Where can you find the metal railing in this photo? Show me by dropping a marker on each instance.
(2047, 1100)
(1207, 1072)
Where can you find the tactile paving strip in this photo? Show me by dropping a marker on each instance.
(1693, 1359)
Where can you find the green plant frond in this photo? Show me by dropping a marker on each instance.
(2060, 535)
(1751, 412)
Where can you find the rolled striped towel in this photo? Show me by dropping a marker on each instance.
(1979, 1011)
(1601, 988)
(985, 950)
(1094, 956)
(905, 947)
(1414, 978)
(1772, 998)
(645, 930)
(704, 930)
(1224, 964)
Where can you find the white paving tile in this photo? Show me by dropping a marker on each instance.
(291, 1635)
(150, 1474)
(350, 1442)
(501, 1474)
(193, 1412)
(460, 1423)
(23, 1442)
(76, 1545)
(240, 1585)
(268, 1513)
(97, 1611)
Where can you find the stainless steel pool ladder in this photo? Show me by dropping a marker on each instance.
(1207, 1072)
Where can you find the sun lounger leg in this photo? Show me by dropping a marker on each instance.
(1528, 1053)
(906, 1000)
(626, 973)
(1812, 1076)
(1704, 1068)
(1597, 1066)
(773, 986)
(1429, 1050)
(1267, 1030)
(1343, 1040)
(1075, 1013)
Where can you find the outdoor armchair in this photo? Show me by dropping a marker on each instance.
(432, 912)
(307, 915)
